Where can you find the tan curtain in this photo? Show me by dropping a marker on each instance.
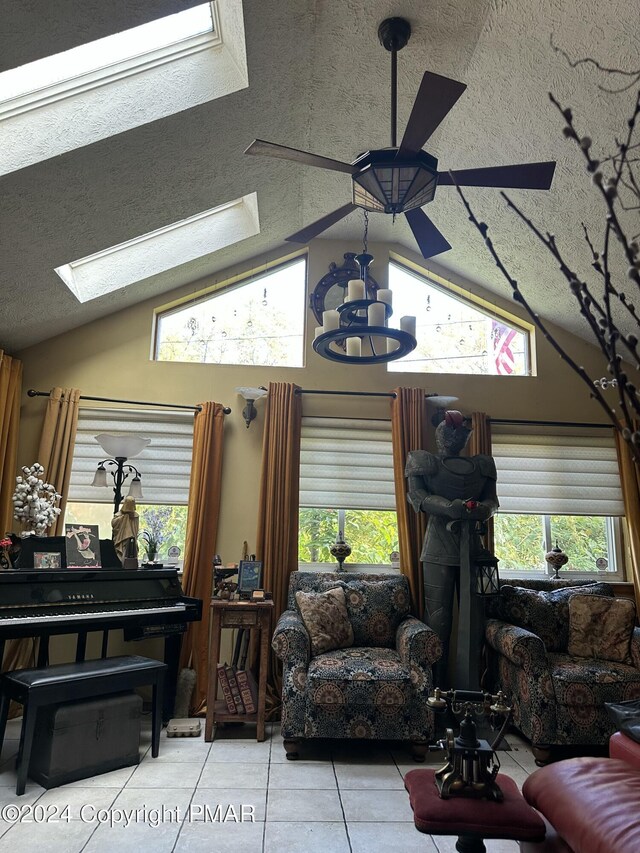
(277, 536)
(18, 653)
(10, 386)
(200, 545)
(480, 442)
(57, 441)
(409, 432)
(630, 481)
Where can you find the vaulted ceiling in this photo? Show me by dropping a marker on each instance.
(319, 81)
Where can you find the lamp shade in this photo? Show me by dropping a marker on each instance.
(135, 488)
(124, 446)
(251, 393)
(100, 477)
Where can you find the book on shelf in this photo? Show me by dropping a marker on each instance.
(248, 690)
(223, 680)
(235, 690)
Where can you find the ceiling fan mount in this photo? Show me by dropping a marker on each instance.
(404, 178)
(394, 33)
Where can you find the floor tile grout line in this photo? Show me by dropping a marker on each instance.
(266, 804)
(193, 793)
(344, 817)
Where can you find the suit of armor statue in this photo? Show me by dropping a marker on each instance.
(456, 492)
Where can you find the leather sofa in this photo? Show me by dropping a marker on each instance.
(590, 805)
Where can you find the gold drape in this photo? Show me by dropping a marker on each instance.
(18, 653)
(630, 481)
(409, 432)
(480, 442)
(57, 441)
(10, 385)
(277, 536)
(200, 545)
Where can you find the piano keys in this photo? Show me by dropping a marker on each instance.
(147, 602)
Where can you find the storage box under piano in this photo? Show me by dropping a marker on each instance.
(75, 740)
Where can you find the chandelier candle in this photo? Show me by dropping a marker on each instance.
(358, 331)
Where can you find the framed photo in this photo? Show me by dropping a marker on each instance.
(249, 576)
(83, 546)
(47, 560)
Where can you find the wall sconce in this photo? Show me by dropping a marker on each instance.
(441, 404)
(250, 395)
(121, 447)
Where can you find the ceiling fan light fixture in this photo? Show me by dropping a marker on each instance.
(384, 185)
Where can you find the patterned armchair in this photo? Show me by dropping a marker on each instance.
(558, 698)
(376, 688)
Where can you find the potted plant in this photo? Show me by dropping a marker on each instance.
(150, 545)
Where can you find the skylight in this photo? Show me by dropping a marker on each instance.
(115, 84)
(163, 249)
(105, 52)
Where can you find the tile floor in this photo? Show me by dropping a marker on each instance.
(337, 798)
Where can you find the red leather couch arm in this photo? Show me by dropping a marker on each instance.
(626, 749)
(592, 802)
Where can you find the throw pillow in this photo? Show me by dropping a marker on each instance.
(326, 619)
(601, 627)
(544, 613)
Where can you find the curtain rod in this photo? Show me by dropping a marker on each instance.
(359, 393)
(32, 393)
(516, 422)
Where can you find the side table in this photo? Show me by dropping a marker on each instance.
(248, 615)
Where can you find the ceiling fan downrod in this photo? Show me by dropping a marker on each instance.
(393, 34)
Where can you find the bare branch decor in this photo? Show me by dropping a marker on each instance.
(607, 301)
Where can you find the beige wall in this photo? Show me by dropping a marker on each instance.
(110, 358)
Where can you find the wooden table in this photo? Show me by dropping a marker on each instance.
(248, 615)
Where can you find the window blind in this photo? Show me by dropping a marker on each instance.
(346, 464)
(557, 475)
(164, 465)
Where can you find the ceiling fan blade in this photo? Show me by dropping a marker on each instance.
(272, 149)
(320, 225)
(524, 176)
(436, 96)
(428, 238)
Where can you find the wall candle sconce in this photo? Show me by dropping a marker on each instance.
(250, 395)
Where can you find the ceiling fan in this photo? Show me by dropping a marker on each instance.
(403, 179)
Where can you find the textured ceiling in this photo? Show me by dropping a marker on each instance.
(318, 80)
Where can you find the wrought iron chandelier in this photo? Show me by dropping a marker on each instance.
(357, 332)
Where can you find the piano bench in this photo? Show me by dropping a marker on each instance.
(66, 682)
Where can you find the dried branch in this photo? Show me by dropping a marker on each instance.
(601, 303)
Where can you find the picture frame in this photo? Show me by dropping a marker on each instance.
(249, 576)
(47, 560)
(82, 546)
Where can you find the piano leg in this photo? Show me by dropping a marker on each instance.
(43, 651)
(172, 644)
(81, 646)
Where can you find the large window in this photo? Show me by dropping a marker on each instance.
(558, 490)
(455, 335)
(347, 490)
(259, 321)
(164, 466)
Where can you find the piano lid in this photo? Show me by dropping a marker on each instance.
(29, 587)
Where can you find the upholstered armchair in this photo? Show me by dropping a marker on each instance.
(558, 689)
(378, 686)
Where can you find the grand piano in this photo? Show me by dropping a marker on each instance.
(144, 603)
